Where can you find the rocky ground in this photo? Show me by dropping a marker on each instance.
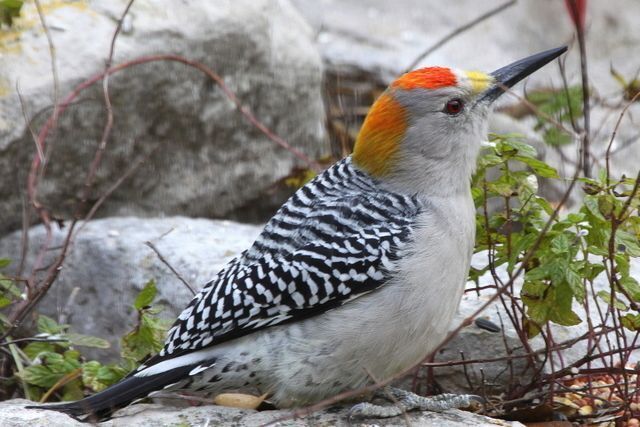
(12, 414)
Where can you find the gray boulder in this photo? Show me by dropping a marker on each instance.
(110, 263)
(211, 161)
(387, 37)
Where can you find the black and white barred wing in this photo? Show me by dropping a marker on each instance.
(307, 281)
(335, 239)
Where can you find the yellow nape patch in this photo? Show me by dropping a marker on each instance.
(378, 141)
(478, 80)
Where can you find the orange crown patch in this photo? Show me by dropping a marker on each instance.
(426, 78)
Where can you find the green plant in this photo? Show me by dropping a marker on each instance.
(599, 237)
(561, 105)
(51, 367)
(9, 10)
(581, 259)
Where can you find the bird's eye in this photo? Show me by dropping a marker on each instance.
(454, 106)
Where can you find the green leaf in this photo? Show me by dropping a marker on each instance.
(86, 340)
(72, 391)
(489, 160)
(631, 286)
(576, 218)
(4, 301)
(146, 339)
(534, 295)
(622, 263)
(556, 269)
(629, 241)
(4, 262)
(596, 250)
(560, 244)
(47, 325)
(605, 205)
(98, 377)
(33, 349)
(521, 147)
(631, 321)
(591, 204)
(575, 283)
(146, 295)
(40, 375)
(544, 204)
(539, 167)
(556, 137)
(606, 297)
(90, 375)
(9, 9)
(538, 273)
(531, 328)
(561, 312)
(591, 271)
(537, 310)
(500, 188)
(52, 367)
(9, 286)
(71, 355)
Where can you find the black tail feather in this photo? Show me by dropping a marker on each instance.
(101, 406)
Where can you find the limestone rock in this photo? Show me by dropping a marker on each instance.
(110, 263)
(211, 161)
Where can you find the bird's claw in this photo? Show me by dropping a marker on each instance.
(406, 401)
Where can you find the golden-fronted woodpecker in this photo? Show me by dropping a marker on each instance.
(359, 273)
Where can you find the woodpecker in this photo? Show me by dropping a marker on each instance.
(358, 274)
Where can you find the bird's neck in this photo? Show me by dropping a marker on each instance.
(430, 179)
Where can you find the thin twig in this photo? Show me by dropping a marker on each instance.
(54, 68)
(32, 180)
(106, 132)
(133, 168)
(66, 311)
(173, 270)
(458, 31)
(586, 107)
(67, 378)
(32, 339)
(29, 121)
(540, 113)
(613, 136)
(24, 241)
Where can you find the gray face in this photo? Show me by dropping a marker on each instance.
(437, 155)
(445, 129)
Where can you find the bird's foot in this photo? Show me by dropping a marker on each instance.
(406, 401)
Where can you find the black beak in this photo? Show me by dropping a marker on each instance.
(508, 76)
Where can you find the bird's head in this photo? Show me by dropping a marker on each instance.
(423, 133)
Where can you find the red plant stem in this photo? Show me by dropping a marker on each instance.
(42, 135)
(577, 13)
